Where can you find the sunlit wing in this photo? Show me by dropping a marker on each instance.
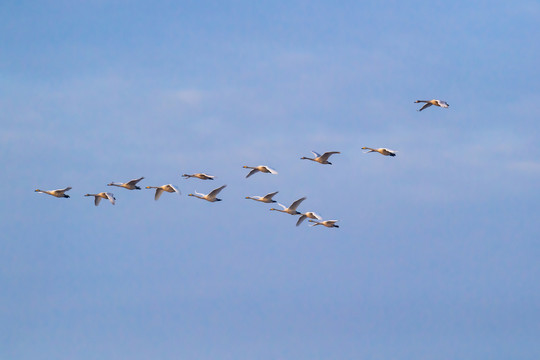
(270, 196)
(251, 172)
(111, 198)
(425, 106)
(134, 181)
(326, 155)
(214, 192)
(301, 219)
(272, 171)
(297, 203)
(159, 191)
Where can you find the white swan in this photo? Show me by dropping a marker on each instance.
(382, 151)
(327, 223)
(103, 195)
(265, 199)
(160, 189)
(261, 168)
(211, 196)
(322, 159)
(130, 185)
(201, 176)
(291, 209)
(59, 193)
(306, 215)
(435, 102)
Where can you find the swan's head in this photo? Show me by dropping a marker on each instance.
(37, 190)
(110, 184)
(364, 148)
(273, 209)
(190, 195)
(248, 197)
(148, 187)
(303, 158)
(245, 167)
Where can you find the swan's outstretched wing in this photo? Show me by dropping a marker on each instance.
(269, 196)
(296, 203)
(251, 173)
(283, 206)
(443, 104)
(272, 171)
(175, 189)
(301, 219)
(326, 155)
(316, 154)
(317, 216)
(64, 190)
(97, 200)
(159, 191)
(426, 105)
(111, 198)
(134, 181)
(208, 177)
(214, 192)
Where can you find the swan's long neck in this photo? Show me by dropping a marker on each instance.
(306, 158)
(115, 184)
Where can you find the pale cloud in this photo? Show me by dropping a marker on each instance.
(527, 166)
(189, 96)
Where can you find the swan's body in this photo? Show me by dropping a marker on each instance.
(306, 215)
(201, 176)
(261, 168)
(265, 199)
(160, 189)
(103, 195)
(435, 102)
(321, 159)
(382, 151)
(291, 209)
(211, 196)
(130, 185)
(327, 223)
(59, 193)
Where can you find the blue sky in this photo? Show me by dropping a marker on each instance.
(437, 250)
